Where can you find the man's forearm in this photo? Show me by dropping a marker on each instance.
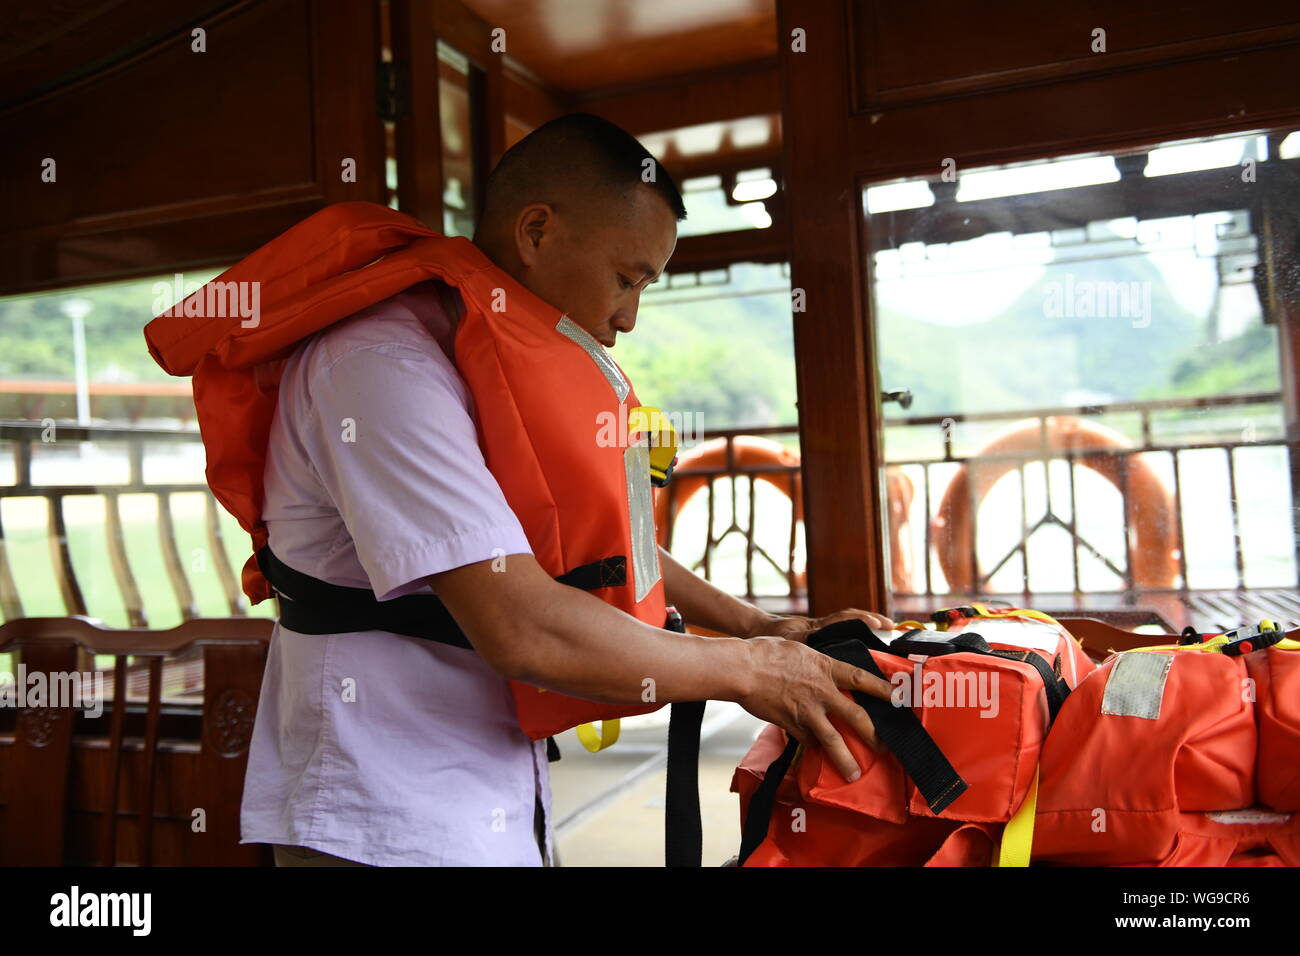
(598, 652)
(532, 629)
(706, 605)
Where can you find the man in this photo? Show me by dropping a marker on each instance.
(380, 749)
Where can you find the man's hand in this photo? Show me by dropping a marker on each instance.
(577, 644)
(798, 689)
(796, 627)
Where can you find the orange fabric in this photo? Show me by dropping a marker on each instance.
(1211, 781)
(880, 819)
(1276, 673)
(537, 396)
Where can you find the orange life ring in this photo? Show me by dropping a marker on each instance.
(899, 493)
(1153, 534)
(751, 451)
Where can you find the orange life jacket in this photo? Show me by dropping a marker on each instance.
(1178, 755)
(1173, 755)
(988, 713)
(545, 392)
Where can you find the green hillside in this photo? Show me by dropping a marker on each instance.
(730, 357)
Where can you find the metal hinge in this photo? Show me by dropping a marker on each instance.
(391, 91)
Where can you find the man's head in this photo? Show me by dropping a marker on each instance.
(581, 215)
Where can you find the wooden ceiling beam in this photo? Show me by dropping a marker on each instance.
(1156, 197)
(720, 249)
(736, 92)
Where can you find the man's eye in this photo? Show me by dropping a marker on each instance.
(623, 281)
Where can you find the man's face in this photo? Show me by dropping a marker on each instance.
(595, 270)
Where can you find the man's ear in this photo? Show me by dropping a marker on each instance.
(532, 226)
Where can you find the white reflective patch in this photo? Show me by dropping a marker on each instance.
(1136, 685)
(1248, 816)
(576, 333)
(644, 559)
(1029, 634)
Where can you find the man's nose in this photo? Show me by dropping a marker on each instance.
(624, 320)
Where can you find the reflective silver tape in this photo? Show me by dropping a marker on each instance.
(1248, 816)
(1136, 685)
(575, 332)
(641, 516)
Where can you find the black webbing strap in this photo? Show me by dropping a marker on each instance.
(1053, 683)
(1055, 686)
(309, 605)
(758, 819)
(605, 573)
(898, 728)
(683, 831)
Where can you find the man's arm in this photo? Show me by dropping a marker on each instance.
(529, 627)
(705, 605)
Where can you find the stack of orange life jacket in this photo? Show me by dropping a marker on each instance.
(1173, 755)
(1179, 755)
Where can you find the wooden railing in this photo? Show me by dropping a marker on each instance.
(741, 491)
(25, 437)
(742, 499)
(946, 426)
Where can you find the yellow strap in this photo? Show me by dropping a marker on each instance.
(1211, 646)
(597, 740)
(1018, 835)
(646, 419)
(1015, 612)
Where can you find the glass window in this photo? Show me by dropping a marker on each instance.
(1117, 305)
(457, 142)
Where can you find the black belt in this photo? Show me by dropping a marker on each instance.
(309, 605)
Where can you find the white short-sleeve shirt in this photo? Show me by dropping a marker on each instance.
(379, 748)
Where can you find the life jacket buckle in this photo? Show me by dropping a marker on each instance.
(1251, 637)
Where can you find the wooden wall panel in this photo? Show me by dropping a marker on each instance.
(174, 159)
(1249, 90)
(911, 51)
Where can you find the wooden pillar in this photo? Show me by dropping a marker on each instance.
(839, 396)
(419, 127)
(1279, 299)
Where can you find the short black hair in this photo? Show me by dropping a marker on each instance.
(575, 155)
